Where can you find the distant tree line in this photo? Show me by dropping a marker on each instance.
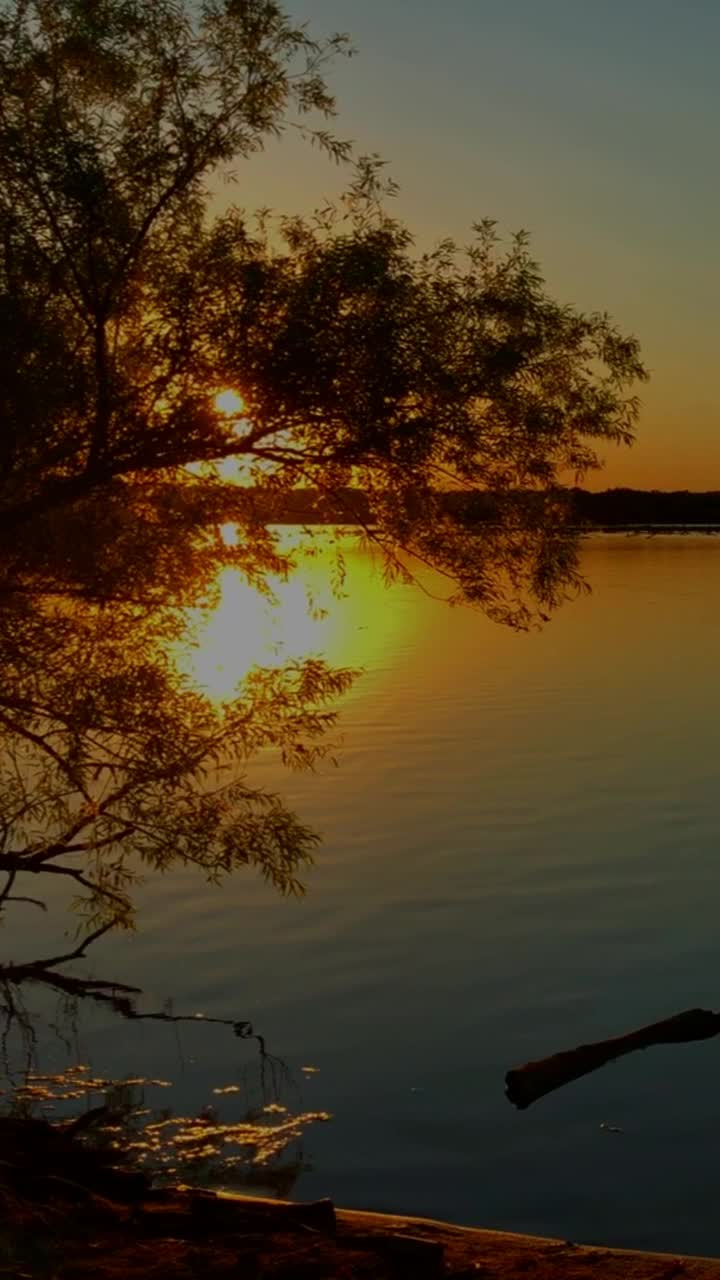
(612, 508)
(615, 507)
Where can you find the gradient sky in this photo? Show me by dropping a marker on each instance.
(591, 123)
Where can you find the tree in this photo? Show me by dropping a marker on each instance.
(402, 387)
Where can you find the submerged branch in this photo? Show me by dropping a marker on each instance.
(524, 1085)
(78, 953)
(45, 972)
(32, 902)
(5, 894)
(116, 994)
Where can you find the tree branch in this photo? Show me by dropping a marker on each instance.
(77, 954)
(43, 745)
(12, 875)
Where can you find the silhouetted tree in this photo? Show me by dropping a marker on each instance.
(127, 303)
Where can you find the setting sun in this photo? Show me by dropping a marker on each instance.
(229, 402)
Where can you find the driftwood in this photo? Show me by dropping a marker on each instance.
(524, 1085)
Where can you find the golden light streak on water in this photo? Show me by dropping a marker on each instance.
(300, 617)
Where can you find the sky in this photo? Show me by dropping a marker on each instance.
(593, 124)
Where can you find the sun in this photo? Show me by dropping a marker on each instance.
(229, 402)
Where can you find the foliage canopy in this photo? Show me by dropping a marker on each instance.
(127, 302)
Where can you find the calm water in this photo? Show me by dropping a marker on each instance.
(521, 853)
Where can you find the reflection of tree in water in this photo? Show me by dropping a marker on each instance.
(249, 1135)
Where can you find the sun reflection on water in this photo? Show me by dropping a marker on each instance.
(301, 617)
(256, 1145)
(247, 629)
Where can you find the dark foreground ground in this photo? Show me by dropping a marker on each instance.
(64, 1215)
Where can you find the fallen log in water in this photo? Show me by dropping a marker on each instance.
(524, 1085)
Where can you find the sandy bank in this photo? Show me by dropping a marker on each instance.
(473, 1251)
(65, 1214)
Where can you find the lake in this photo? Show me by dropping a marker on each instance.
(520, 855)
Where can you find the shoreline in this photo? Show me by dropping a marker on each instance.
(508, 1252)
(69, 1212)
(505, 1253)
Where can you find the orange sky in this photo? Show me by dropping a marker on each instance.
(592, 126)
